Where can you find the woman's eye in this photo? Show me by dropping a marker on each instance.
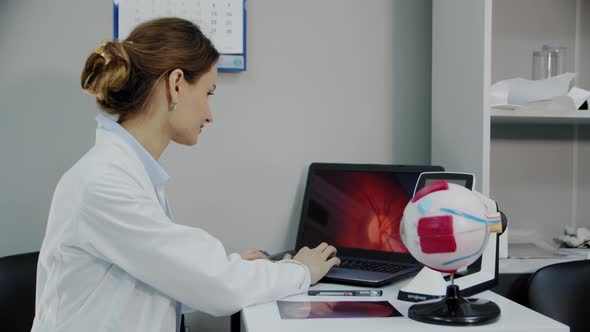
(210, 93)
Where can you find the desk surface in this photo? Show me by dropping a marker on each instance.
(514, 317)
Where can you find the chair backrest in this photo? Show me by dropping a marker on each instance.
(18, 275)
(561, 291)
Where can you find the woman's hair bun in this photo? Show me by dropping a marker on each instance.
(106, 71)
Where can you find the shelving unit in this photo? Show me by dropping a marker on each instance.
(533, 163)
(502, 116)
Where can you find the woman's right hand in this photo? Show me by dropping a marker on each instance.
(318, 260)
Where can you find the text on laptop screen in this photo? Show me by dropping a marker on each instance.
(357, 209)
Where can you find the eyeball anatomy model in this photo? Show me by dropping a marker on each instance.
(446, 226)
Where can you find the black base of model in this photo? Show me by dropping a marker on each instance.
(453, 309)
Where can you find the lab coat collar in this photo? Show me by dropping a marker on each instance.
(157, 174)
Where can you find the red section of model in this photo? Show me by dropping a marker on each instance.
(435, 226)
(436, 234)
(434, 186)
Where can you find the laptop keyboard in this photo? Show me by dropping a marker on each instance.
(371, 266)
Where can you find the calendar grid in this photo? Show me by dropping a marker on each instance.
(222, 21)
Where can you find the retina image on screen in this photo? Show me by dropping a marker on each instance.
(356, 209)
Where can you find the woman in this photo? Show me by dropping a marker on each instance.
(112, 259)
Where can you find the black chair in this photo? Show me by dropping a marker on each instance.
(561, 291)
(18, 276)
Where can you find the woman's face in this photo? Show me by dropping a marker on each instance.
(192, 108)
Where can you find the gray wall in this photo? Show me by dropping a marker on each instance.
(333, 81)
(517, 33)
(520, 27)
(47, 122)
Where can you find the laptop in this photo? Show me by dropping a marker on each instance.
(358, 209)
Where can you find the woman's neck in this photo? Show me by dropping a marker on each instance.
(149, 130)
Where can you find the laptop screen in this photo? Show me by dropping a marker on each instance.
(359, 206)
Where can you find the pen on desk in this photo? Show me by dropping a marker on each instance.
(371, 292)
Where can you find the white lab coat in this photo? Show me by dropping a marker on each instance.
(112, 260)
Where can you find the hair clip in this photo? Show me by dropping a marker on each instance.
(100, 49)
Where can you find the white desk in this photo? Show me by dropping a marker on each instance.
(514, 318)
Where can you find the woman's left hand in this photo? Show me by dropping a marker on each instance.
(252, 254)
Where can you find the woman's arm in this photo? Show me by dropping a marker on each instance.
(119, 222)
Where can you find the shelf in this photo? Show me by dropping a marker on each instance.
(516, 158)
(539, 117)
(530, 265)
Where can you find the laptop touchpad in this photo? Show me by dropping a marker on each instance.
(350, 274)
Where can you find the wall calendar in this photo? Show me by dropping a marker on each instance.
(223, 21)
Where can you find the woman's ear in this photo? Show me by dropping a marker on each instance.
(174, 84)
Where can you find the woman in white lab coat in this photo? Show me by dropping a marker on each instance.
(112, 258)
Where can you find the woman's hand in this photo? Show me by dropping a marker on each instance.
(252, 254)
(318, 260)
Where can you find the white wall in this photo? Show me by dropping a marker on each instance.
(332, 80)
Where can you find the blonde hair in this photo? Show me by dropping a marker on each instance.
(123, 74)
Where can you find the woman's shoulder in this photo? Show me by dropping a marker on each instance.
(110, 162)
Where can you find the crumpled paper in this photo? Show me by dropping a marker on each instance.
(517, 92)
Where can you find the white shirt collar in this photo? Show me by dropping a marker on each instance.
(157, 174)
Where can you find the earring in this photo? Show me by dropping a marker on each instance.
(173, 106)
